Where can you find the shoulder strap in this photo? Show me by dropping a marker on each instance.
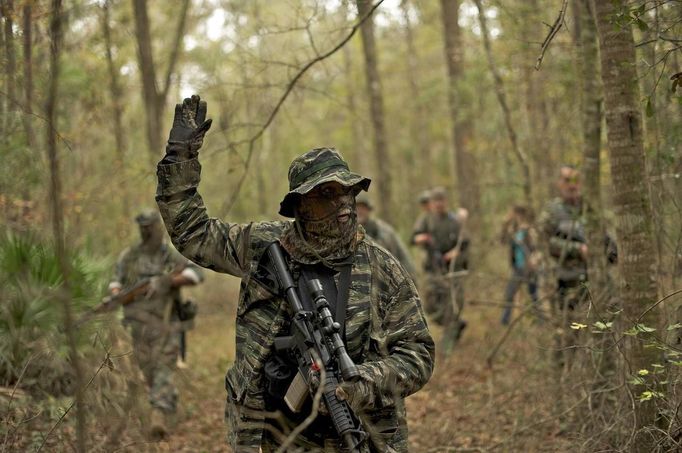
(337, 295)
(343, 292)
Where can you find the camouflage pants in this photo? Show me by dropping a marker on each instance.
(438, 297)
(571, 307)
(156, 348)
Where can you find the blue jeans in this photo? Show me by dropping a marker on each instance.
(518, 278)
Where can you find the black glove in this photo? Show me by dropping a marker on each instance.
(189, 127)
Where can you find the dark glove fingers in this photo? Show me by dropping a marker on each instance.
(188, 112)
(203, 127)
(177, 119)
(201, 112)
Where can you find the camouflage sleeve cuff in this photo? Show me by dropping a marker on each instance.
(178, 177)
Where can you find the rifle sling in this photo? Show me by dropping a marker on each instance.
(336, 295)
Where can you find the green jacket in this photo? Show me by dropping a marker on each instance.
(386, 332)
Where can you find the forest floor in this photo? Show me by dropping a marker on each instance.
(467, 406)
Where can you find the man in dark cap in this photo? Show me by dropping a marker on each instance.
(440, 233)
(153, 318)
(385, 330)
(383, 233)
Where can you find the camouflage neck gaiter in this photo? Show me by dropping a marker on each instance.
(327, 240)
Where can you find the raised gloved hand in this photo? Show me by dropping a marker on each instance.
(189, 127)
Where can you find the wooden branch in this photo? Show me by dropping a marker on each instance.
(552, 33)
(290, 87)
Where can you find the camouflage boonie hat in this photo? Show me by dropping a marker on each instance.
(147, 217)
(317, 167)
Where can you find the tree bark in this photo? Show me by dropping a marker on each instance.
(376, 103)
(419, 128)
(153, 96)
(57, 211)
(465, 164)
(116, 101)
(10, 65)
(28, 72)
(632, 203)
(502, 99)
(589, 67)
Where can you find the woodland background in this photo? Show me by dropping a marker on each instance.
(486, 98)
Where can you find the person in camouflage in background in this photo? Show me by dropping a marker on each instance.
(383, 233)
(385, 330)
(562, 226)
(152, 319)
(440, 234)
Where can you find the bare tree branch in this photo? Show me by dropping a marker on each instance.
(554, 29)
(251, 141)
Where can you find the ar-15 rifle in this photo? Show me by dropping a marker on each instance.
(125, 297)
(316, 343)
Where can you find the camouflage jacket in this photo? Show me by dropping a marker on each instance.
(386, 332)
(562, 226)
(135, 264)
(386, 236)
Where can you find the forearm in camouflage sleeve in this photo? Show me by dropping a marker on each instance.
(409, 363)
(208, 242)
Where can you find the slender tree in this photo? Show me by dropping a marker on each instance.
(465, 164)
(153, 94)
(631, 199)
(27, 22)
(10, 62)
(116, 98)
(419, 119)
(57, 211)
(376, 104)
(502, 99)
(588, 49)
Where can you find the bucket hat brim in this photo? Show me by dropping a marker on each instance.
(335, 174)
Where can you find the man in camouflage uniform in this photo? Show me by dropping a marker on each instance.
(385, 330)
(152, 319)
(562, 226)
(383, 233)
(440, 234)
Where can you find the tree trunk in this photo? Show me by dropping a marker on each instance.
(591, 129)
(116, 101)
(10, 65)
(502, 99)
(57, 212)
(419, 128)
(155, 98)
(28, 72)
(632, 203)
(465, 165)
(376, 103)
(150, 90)
(357, 151)
(543, 162)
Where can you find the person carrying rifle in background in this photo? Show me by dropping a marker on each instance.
(383, 233)
(519, 234)
(562, 227)
(150, 275)
(440, 233)
(383, 327)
